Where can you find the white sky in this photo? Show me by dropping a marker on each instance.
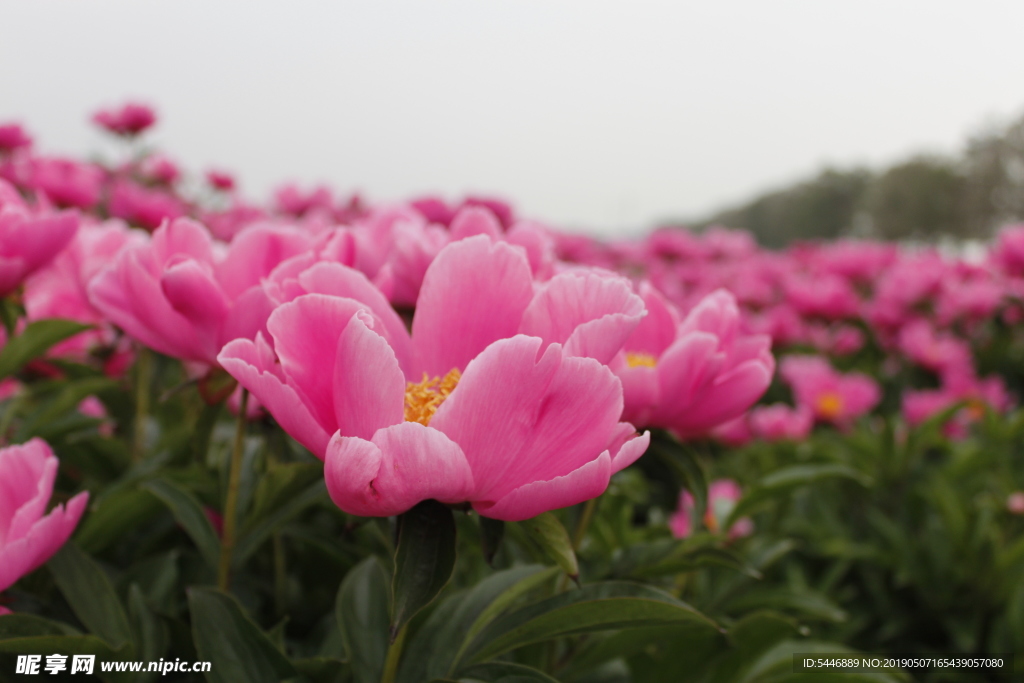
(584, 113)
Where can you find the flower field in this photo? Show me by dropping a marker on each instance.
(323, 439)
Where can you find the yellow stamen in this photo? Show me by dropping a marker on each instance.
(829, 405)
(634, 360)
(422, 399)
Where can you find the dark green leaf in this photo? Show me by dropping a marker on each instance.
(785, 480)
(114, 516)
(89, 592)
(363, 618)
(492, 531)
(595, 607)
(547, 532)
(253, 537)
(226, 637)
(22, 625)
(188, 512)
(505, 672)
(424, 560)
(36, 340)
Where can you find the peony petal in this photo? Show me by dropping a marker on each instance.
(519, 419)
(338, 280)
(475, 220)
(474, 293)
(591, 313)
(369, 387)
(27, 473)
(730, 395)
(657, 330)
(255, 252)
(181, 237)
(530, 500)
(244, 360)
(42, 540)
(190, 288)
(402, 466)
(306, 333)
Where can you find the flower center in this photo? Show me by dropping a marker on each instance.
(635, 360)
(829, 405)
(422, 399)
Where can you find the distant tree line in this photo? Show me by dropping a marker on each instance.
(923, 198)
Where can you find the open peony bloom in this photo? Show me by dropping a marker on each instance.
(176, 295)
(830, 395)
(499, 397)
(28, 240)
(692, 376)
(723, 495)
(28, 536)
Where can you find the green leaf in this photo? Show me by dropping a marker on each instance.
(424, 560)
(280, 484)
(668, 556)
(432, 651)
(492, 531)
(23, 625)
(71, 394)
(36, 340)
(785, 480)
(362, 613)
(114, 516)
(255, 535)
(188, 512)
(551, 536)
(150, 631)
(505, 672)
(92, 598)
(237, 648)
(595, 607)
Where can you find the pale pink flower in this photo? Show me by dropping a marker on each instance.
(66, 182)
(142, 206)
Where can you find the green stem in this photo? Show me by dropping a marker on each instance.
(12, 409)
(280, 576)
(143, 379)
(584, 523)
(227, 543)
(394, 654)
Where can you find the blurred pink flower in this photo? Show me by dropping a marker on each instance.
(723, 495)
(160, 169)
(499, 397)
(28, 239)
(66, 182)
(936, 351)
(1008, 251)
(29, 536)
(832, 396)
(1015, 503)
(692, 376)
(175, 295)
(779, 422)
(12, 137)
(220, 180)
(60, 290)
(144, 207)
(127, 120)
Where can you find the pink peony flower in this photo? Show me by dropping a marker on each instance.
(59, 290)
(28, 240)
(13, 137)
(930, 349)
(499, 397)
(693, 376)
(144, 207)
(723, 495)
(779, 422)
(28, 536)
(67, 183)
(174, 295)
(128, 120)
(830, 395)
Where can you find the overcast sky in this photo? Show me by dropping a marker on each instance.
(588, 114)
